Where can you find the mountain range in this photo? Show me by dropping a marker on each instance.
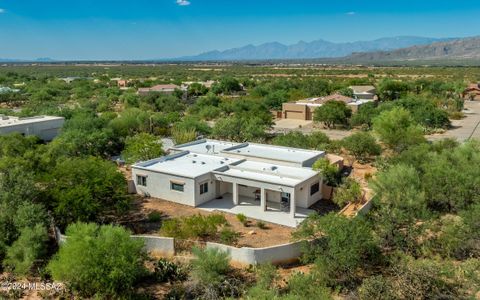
(465, 49)
(308, 50)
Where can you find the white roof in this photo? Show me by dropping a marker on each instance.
(360, 102)
(205, 146)
(271, 173)
(6, 121)
(274, 152)
(186, 164)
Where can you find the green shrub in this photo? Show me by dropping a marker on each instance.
(229, 236)
(261, 225)
(376, 288)
(301, 286)
(210, 265)
(183, 135)
(167, 271)
(100, 261)
(172, 228)
(243, 219)
(266, 275)
(30, 246)
(154, 216)
(197, 226)
(456, 115)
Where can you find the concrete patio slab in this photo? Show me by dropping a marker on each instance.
(251, 208)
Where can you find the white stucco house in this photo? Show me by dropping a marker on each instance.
(265, 182)
(45, 127)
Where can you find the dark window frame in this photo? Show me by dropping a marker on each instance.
(314, 188)
(178, 187)
(203, 188)
(142, 180)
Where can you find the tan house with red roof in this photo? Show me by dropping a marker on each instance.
(472, 92)
(159, 88)
(303, 109)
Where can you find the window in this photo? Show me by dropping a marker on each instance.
(142, 180)
(285, 197)
(177, 186)
(204, 188)
(314, 188)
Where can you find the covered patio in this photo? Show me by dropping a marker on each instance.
(252, 209)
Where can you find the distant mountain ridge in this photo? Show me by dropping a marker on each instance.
(457, 49)
(307, 50)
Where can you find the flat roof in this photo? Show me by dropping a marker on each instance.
(185, 164)
(279, 153)
(205, 146)
(6, 121)
(267, 172)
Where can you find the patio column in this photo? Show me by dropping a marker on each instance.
(235, 193)
(292, 204)
(263, 199)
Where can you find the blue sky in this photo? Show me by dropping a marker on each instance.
(148, 29)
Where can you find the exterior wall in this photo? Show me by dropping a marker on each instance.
(212, 189)
(294, 111)
(46, 130)
(253, 184)
(309, 163)
(224, 188)
(158, 186)
(302, 193)
(365, 96)
(247, 191)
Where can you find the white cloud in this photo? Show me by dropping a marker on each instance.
(351, 13)
(2, 10)
(183, 2)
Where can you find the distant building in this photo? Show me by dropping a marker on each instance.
(6, 90)
(45, 127)
(366, 92)
(70, 79)
(159, 88)
(303, 109)
(472, 92)
(208, 84)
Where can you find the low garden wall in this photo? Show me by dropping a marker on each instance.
(365, 208)
(156, 245)
(252, 256)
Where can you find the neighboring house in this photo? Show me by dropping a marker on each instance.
(472, 92)
(121, 83)
(365, 92)
(6, 90)
(208, 84)
(304, 109)
(159, 88)
(70, 79)
(45, 127)
(261, 176)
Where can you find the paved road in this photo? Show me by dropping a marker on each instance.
(466, 128)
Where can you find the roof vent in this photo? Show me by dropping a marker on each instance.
(195, 155)
(203, 162)
(273, 168)
(194, 161)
